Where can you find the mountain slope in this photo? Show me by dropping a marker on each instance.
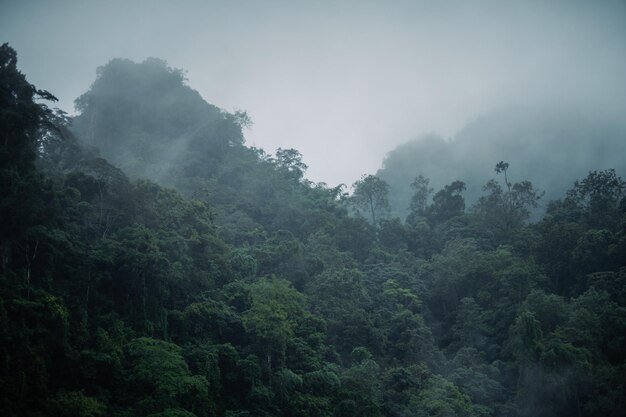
(551, 148)
(252, 292)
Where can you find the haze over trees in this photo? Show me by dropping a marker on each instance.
(152, 264)
(549, 146)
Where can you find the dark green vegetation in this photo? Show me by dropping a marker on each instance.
(246, 290)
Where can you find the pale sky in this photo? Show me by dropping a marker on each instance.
(342, 82)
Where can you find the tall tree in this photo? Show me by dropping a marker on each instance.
(447, 203)
(290, 161)
(271, 317)
(371, 194)
(21, 116)
(419, 200)
(600, 198)
(503, 212)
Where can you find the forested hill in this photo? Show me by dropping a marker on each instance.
(144, 119)
(549, 146)
(153, 265)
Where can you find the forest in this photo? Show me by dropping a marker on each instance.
(154, 265)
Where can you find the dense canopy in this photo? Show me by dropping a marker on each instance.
(154, 265)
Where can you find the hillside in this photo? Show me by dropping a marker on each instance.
(547, 146)
(155, 266)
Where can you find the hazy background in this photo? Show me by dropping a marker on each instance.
(343, 82)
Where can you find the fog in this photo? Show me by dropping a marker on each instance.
(343, 83)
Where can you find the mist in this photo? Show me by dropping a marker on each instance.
(326, 209)
(342, 83)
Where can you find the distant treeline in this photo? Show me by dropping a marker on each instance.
(551, 147)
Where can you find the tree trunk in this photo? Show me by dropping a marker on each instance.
(269, 366)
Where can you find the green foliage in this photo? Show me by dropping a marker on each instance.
(447, 203)
(582, 234)
(503, 213)
(360, 387)
(273, 312)
(440, 398)
(21, 117)
(419, 200)
(290, 160)
(550, 146)
(470, 326)
(370, 195)
(76, 404)
(598, 197)
(250, 291)
(157, 377)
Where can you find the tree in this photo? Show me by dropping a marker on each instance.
(272, 316)
(580, 234)
(242, 118)
(360, 387)
(441, 398)
(470, 327)
(76, 404)
(21, 121)
(505, 212)
(502, 167)
(158, 378)
(419, 200)
(20, 116)
(599, 197)
(447, 203)
(371, 194)
(341, 295)
(290, 161)
(408, 338)
(525, 335)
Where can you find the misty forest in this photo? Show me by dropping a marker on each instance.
(154, 264)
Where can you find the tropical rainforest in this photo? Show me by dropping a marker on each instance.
(152, 264)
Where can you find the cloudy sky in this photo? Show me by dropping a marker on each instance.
(344, 82)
